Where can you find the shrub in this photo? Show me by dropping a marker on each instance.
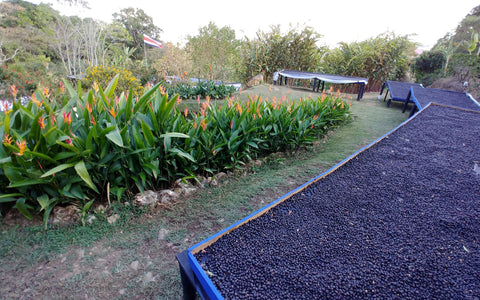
(428, 67)
(102, 75)
(96, 145)
(202, 89)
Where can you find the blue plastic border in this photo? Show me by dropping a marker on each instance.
(204, 279)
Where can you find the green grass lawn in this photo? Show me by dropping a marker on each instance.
(135, 258)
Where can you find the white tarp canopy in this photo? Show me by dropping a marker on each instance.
(322, 77)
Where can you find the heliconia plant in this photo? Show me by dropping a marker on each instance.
(98, 144)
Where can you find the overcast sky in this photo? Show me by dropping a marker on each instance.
(336, 20)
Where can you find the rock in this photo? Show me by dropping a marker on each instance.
(99, 209)
(90, 219)
(65, 215)
(212, 181)
(220, 176)
(255, 80)
(113, 219)
(147, 198)
(134, 265)
(148, 277)
(162, 234)
(184, 188)
(202, 182)
(167, 196)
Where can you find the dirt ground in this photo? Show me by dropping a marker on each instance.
(129, 264)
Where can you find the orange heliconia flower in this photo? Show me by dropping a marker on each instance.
(113, 112)
(22, 145)
(46, 92)
(41, 122)
(7, 139)
(67, 118)
(5, 106)
(185, 113)
(34, 100)
(203, 124)
(52, 119)
(14, 90)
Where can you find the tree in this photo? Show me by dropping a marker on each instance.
(137, 23)
(429, 66)
(273, 51)
(214, 52)
(175, 61)
(381, 58)
(79, 43)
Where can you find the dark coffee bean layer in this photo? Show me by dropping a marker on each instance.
(400, 220)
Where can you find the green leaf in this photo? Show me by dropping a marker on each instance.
(145, 98)
(112, 86)
(87, 206)
(182, 154)
(115, 137)
(83, 173)
(5, 160)
(57, 169)
(23, 208)
(147, 132)
(174, 134)
(44, 202)
(128, 105)
(9, 197)
(42, 156)
(28, 182)
(6, 123)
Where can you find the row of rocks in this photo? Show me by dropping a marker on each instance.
(62, 215)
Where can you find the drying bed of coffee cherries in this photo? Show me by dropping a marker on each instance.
(400, 219)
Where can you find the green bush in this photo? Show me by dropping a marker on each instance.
(202, 89)
(428, 67)
(96, 145)
(101, 75)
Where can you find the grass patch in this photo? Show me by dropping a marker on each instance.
(96, 260)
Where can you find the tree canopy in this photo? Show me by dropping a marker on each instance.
(137, 23)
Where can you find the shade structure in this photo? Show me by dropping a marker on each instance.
(321, 78)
